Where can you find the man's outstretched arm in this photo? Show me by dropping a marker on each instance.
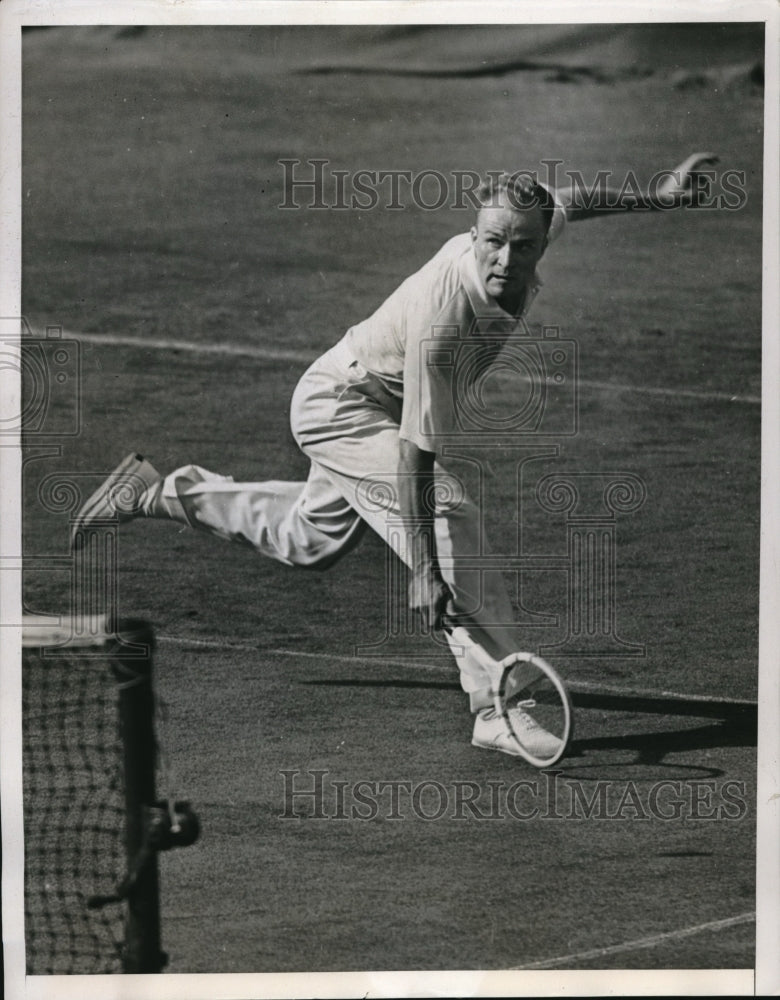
(671, 189)
(428, 593)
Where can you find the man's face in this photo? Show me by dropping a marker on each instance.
(508, 245)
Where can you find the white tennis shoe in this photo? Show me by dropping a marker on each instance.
(492, 733)
(119, 498)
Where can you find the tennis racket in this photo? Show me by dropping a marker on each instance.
(532, 699)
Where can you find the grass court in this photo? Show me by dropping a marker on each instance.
(152, 233)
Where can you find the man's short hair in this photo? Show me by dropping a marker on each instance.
(520, 190)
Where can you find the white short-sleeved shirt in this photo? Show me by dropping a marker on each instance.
(410, 343)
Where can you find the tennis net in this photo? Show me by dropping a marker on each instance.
(88, 776)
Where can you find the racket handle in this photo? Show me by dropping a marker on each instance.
(461, 637)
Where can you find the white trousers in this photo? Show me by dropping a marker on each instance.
(353, 445)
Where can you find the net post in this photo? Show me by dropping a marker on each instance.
(135, 643)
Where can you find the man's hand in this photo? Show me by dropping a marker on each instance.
(687, 183)
(429, 596)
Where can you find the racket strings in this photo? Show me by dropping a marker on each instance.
(525, 721)
(536, 710)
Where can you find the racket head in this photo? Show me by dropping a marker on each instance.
(536, 707)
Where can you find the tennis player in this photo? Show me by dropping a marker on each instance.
(371, 415)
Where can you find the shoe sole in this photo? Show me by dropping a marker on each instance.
(514, 753)
(498, 749)
(97, 507)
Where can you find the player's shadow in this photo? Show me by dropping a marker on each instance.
(734, 723)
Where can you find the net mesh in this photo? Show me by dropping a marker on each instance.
(73, 811)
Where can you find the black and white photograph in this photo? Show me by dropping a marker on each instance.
(388, 452)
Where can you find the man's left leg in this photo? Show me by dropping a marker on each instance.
(364, 469)
(479, 596)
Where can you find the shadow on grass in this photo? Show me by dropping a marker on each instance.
(735, 723)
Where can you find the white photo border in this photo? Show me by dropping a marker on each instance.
(766, 976)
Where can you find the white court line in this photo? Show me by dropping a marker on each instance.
(161, 344)
(649, 390)
(411, 663)
(414, 664)
(584, 686)
(307, 357)
(646, 942)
